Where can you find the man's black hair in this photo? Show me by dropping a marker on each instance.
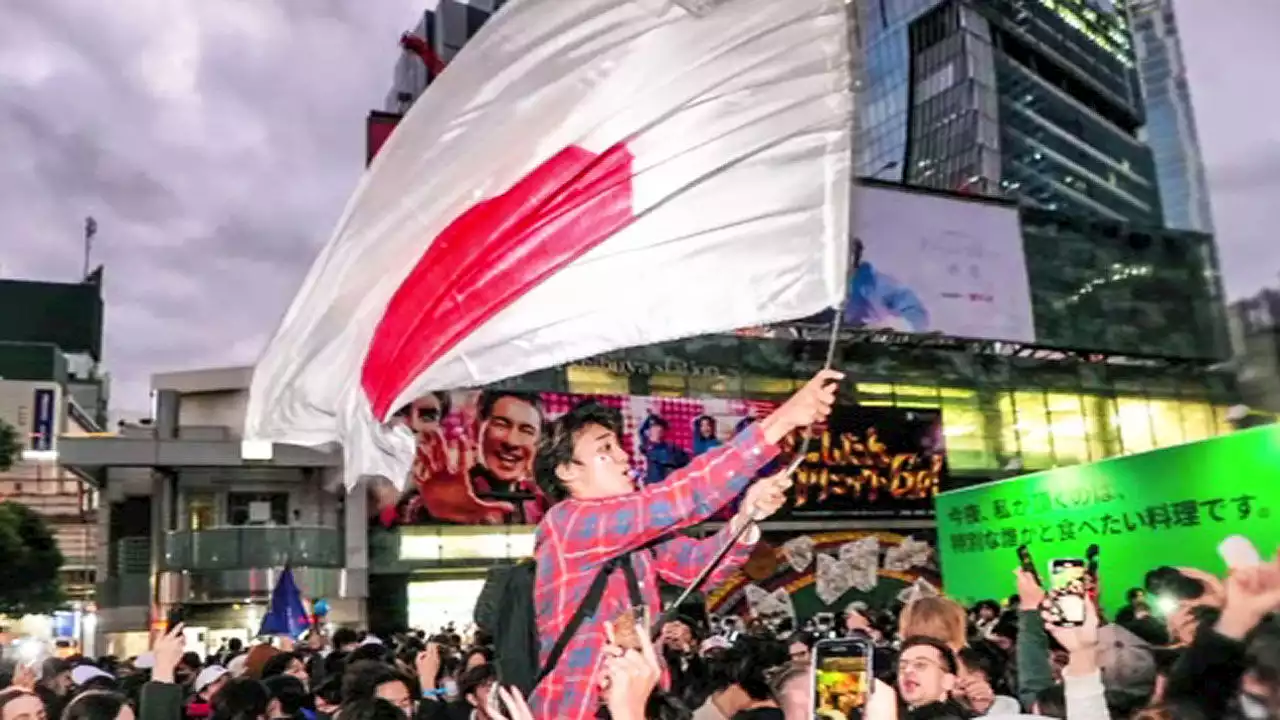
(489, 399)
(948, 658)
(361, 679)
(987, 658)
(748, 664)
(341, 636)
(556, 447)
(289, 691)
(241, 699)
(330, 690)
(1132, 593)
(476, 678)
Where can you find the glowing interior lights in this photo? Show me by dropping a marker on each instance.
(1119, 272)
(1106, 30)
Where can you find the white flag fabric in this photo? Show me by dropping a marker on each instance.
(586, 176)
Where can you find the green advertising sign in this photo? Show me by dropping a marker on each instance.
(1166, 507)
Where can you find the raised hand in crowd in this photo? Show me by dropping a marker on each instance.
(24, 677)
(514, 702)
(1030, 594)
(1252, 593)
(427, 666)
(168, 652)
(1081, 642)
(629, 677)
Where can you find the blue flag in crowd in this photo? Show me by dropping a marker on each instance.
(287, 615)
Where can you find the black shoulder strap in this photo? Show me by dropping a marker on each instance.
(588, 608)
(633, 583)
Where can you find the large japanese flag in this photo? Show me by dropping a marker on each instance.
(587, 175)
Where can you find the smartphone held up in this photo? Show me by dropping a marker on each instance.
(842, 677)
(1069, 591)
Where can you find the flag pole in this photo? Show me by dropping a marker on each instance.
(855, 46)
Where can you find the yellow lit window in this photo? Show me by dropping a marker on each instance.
(1166, 422)
(714, 386)
(666, 384)
(1098, 412)
(1069, 428)
(1031, 425)
(591, 380)
(1133, 420)
(1197, 421)
(965, 430)
(755, 386)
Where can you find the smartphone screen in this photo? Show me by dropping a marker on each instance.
(1067, 575)
(841, 677)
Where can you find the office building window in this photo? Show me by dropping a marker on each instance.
(258, 508)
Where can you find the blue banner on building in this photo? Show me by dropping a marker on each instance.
(42, 420)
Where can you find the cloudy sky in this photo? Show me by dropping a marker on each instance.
(216, 143)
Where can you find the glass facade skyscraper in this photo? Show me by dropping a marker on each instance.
(1036, 99)
(1171, 124)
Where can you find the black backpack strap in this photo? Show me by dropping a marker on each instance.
(633, 583)
(588, 608)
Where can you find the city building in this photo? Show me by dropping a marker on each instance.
(445, 28)
(1170, 130)
(52, 386)
(1031, 105)
(1255, 338)
(186, 520)
(1033, 99)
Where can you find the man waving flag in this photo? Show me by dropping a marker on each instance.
(586, 176)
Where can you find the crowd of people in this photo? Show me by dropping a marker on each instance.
(1213, 651)
(1216, 656)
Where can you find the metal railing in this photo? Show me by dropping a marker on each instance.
(235, 548)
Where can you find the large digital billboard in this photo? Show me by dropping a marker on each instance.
(930, 263)
(1165, 507)
(476, 453)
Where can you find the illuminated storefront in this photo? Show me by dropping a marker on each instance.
(1033, 420)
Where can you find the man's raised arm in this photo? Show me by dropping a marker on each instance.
(591, 529)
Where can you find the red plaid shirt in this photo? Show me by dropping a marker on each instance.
(577, 537)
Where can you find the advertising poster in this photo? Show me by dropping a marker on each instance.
(476, 452)
(872, 462)
(926, 263)
(1170, 507)
(801, 575)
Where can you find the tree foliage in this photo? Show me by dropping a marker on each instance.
(10, 446)
(30, 563)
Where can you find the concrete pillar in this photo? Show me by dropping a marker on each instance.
(355, 525)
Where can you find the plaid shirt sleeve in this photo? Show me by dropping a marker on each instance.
(680, 559)
(594, 531)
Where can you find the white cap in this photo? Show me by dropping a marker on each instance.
(207, 677)
(82, 674)
(145, 661)
(236, 665)
(370, 640)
